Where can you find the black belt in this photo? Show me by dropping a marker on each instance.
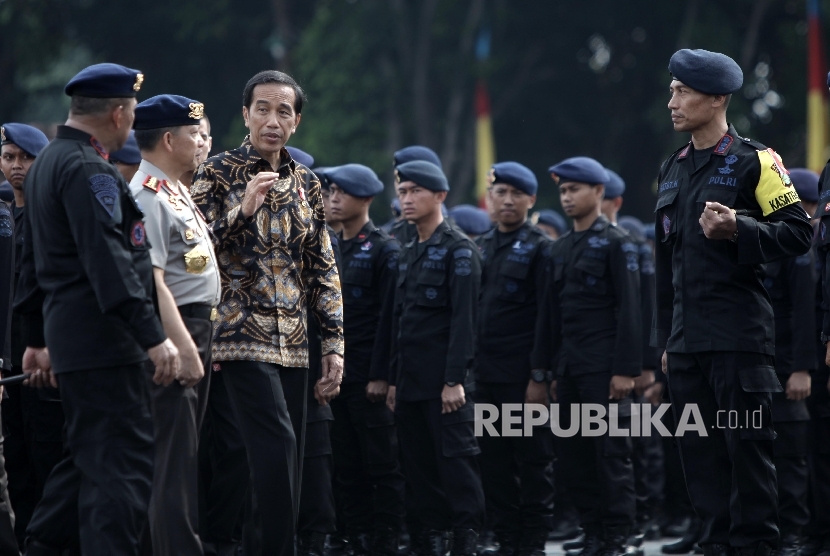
(204, 311)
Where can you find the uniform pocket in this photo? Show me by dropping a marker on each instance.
(666, 213)
(593, 277)
(431, 290)
(758, 382)
(381, 445)
(458, 433)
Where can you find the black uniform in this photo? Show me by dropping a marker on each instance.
(317, 514)
(715, 320)
(403, 230)
(433, 343)
(365, 443)
(514, 278)
(87, 292)
(791, 286)
(594, 309)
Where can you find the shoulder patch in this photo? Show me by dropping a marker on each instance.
(153, 184)
(462, 253)
(6, 225)
(775, 188)
(105, 189)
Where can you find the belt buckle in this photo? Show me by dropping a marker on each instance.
(214, 314)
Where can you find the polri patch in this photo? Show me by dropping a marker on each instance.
(105, 189)
(666, 224)
(138, 235)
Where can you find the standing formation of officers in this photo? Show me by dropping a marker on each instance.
(229, 355)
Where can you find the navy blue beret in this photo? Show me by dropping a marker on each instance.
(615, 186)
(29, 139)
(129, 153)
(649, 232)
(356, 179)
(580, 169)
(471, 220)
(416, 152)
(168, 111)
(301, 156)
(513, 173)
(553, 219)
(322, 173)
(6, 192)
(426, 174)
(711, 73)
(633, 226)
(105, 81)
(806, 184)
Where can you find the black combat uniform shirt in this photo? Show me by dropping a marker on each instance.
(86, 286)
(513, 282)
(435, 314)
(7, 266)
(593, 304)
(17, 344)
(710, 295)
(370, 272)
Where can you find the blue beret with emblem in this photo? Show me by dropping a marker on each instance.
(168, 111)
(633, 226)
(299, 155)
(553, 219)
(615, 186)
(711, 73)
(105, 81)
(472, 220)
(581, 169)
(29, 139)
(426, 174)
(129, 153)
(356, 179)
(416, 152)
(806, 184)
(515, 174)
(6, 192)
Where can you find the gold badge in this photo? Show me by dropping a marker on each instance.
(196, 260)
(175, 202)
(397, 176)
(2, 133)
(214, 314)
(197, 111)
(139, 79)
(189, 235)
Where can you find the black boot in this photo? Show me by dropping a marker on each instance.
(614, 539)
(577, 543)
(679, 526)
(565, 528)
(811, 546)
(385, 542)
(358, 543)
(717, 549)
(824, 548)
(592, 543)
(463, 542)
(431, 543)
(533, 543)
(687, 543)
(760, 549)
(311, 543)
(790, 545)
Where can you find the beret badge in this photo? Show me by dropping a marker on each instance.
(197, 110)
(2, 133)
(139, 79)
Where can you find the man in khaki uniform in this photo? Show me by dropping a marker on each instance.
(188, 287)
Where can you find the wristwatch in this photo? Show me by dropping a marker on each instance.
(538, 375)
(451, 384)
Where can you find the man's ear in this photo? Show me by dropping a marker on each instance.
(245, 116)
(441, 196)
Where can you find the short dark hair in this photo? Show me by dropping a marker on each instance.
(147, 139)
(89, 106)
(207, 122)
(279, 78)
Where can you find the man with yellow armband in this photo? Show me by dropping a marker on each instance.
(726, 205)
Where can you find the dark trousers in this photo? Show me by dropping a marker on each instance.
(8, 541)
(438, 455)
(177, 417)
(316, 496)
(366, 461)
(649, 480)
(516, 472)
(819, 453)
(729, 473)
(790, 460)
(97, 497)
(598, 469)
(223, 472)
(270, 403)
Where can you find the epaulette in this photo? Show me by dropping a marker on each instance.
(754, 144)
(153, 184)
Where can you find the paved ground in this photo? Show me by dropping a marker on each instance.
(652, 547)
